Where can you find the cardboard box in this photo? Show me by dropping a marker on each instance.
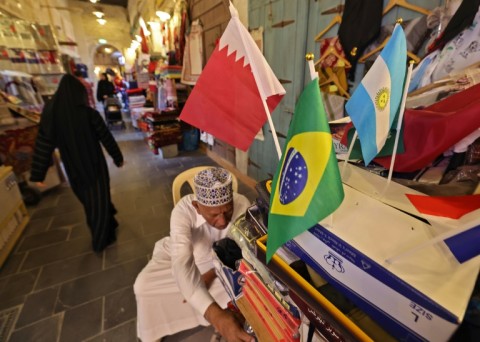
(422, 296)
(168, 151)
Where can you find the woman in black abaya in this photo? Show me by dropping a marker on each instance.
(67, 122)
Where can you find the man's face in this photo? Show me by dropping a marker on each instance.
(218, 217)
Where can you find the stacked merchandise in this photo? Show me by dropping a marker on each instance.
(162, 129)
(272, 313)
(137, 116)
(136, 101)
(136, 97)
(28, 47)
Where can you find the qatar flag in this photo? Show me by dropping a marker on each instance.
(235, 88)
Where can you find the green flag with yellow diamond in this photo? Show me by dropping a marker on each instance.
(307, 186)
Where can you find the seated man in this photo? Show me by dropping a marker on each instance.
(178, 289)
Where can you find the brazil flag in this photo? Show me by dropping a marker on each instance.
(307, 186)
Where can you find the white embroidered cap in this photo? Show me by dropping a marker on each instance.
(213, 187)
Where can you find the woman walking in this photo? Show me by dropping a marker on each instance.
(67, 122)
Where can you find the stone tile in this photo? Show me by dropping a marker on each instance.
(57, 252)
(38, 305)
(49, 199)
(38, 225)
(128, 186)
(98, 284)
(130, 213)
(80, 230)
(69, 269)
(64, 206)
(46, 330)
(143, 201)
(196, 334)
(12, 264)
(119, 253)
(159, 224)
(43, 239)
(17, 286)
(82, 322)
(126, 332)
(163, 209)
(68, 219)
(120, 307)
(8, 318)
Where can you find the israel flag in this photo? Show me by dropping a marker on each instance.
(376, 101)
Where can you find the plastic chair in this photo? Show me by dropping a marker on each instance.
(187, 176)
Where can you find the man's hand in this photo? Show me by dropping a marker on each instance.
(226, 324)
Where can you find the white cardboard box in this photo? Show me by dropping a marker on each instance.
(422, 296)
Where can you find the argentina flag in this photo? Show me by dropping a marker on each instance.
(376, 101)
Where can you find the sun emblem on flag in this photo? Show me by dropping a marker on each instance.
(382, 98)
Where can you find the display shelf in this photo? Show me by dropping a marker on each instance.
(13, 215)
(31, 115)
(327, 318)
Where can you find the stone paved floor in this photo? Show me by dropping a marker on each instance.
(53, 287)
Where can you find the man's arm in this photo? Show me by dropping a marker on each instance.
(226, 324)
(208, 277)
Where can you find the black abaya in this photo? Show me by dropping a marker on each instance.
(68, 123)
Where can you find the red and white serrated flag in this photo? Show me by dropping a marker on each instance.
(460, 215)
(228, 98)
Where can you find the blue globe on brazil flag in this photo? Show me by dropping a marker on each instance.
(293, 177)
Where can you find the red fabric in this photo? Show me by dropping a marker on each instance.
(431, 131)
(326, 46)
(89, 87)
(143, 44)
(135, 91)
(226, 102)
(447, 206)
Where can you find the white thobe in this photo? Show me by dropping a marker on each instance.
(170, 293)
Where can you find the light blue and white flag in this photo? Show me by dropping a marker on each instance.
(376, 101)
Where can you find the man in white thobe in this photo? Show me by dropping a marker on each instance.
(178, 289)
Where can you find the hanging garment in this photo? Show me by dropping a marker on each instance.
(193, 55)
(463, 18)
(332, 53)
(361, 21)
(461, 52)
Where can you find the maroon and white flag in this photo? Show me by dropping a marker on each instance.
(228, 98)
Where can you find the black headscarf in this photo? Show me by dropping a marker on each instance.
(70, 98)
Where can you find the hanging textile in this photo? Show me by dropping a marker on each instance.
(463, 18)
(361, 21)
(193, 55)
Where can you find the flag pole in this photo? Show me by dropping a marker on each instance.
(272, 127)
(313, 75)
(399, 124)
(234, 13)
(309, 57)
(350, 148)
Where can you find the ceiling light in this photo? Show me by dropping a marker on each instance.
(102, 41)
(101, 21)
(99, 14)
(93, 1)
(164, 16)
